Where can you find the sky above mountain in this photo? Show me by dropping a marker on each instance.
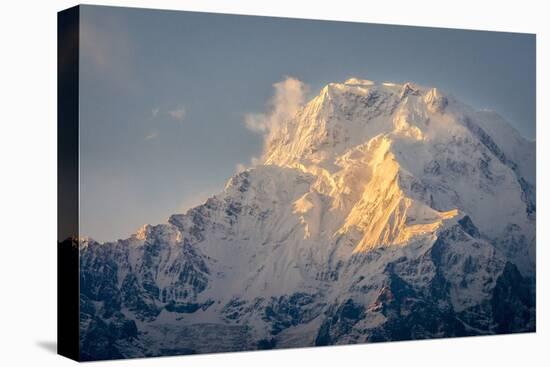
(172, 103)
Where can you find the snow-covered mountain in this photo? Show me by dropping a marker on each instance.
(379, 212)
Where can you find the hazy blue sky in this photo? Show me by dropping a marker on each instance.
(164, 94)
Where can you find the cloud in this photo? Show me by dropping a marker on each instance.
(152, 135)
(289, 95)
(108, 52)
(177, 113)
(254, 161)
(257, 122)
(240, 167)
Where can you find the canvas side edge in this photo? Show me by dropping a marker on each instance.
(68, 44)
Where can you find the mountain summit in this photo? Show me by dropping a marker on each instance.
(378, 212)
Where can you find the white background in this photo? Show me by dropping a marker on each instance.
(28, 182)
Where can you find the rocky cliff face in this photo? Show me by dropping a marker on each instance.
(379, 212)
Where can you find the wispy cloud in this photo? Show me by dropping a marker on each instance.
(152, 135)
(289, 95)
(108, 52)
(178, 113)
(257, 122)
(160, 115)
(240, 167)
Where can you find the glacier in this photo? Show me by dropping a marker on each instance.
(378, 212)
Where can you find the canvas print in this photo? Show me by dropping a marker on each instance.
(237, 183)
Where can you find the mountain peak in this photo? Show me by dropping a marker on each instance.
(357, 81)
(348, 114)
(373, 201)
(375, 144)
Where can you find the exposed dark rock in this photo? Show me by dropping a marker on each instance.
(513, 302)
